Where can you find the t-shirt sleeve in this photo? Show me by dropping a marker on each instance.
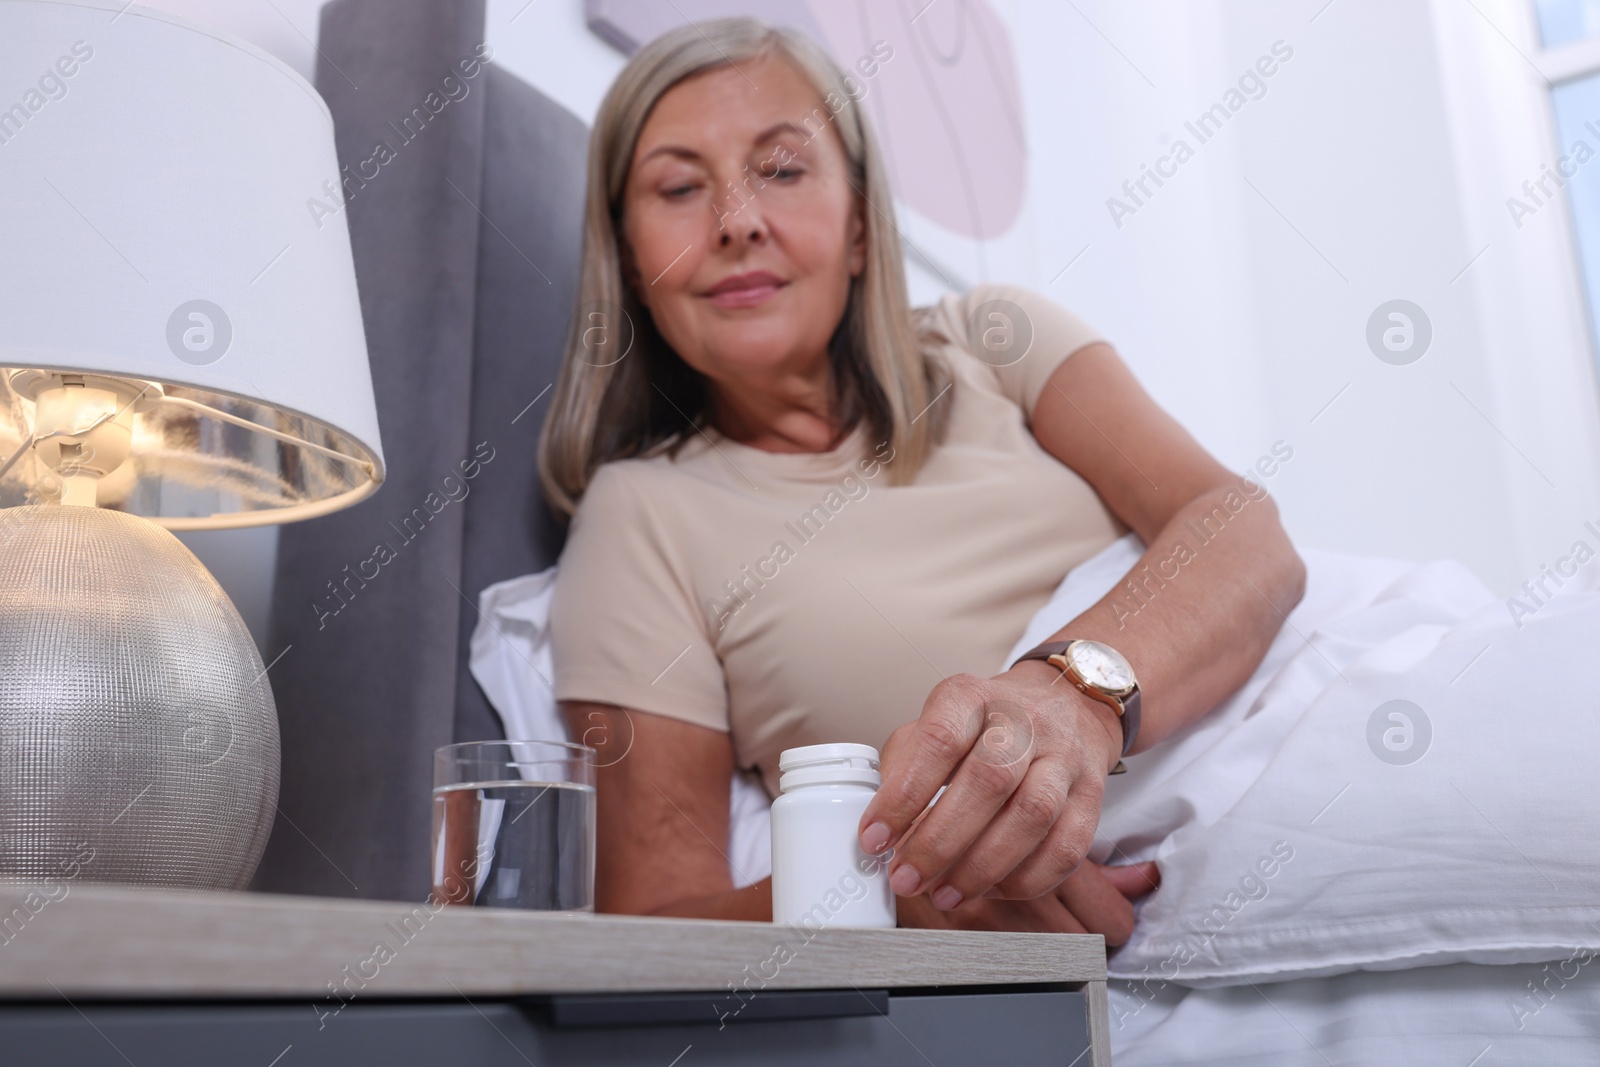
(1021, 335)
(624, 626)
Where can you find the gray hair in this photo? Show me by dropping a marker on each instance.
(612, 403)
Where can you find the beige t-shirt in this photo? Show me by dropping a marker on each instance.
(798, 598)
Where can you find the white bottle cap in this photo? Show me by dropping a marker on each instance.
(836, 764)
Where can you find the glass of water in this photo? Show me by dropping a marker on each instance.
(513, 825)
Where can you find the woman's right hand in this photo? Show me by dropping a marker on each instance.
(1093, 900)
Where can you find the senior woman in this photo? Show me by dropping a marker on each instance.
(807, 513)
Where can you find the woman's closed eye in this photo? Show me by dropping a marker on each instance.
(782, 165)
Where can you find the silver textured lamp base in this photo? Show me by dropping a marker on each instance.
(136, 723)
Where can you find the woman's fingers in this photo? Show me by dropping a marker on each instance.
(1098, 904)
(920, 757)
(1025, 819)
(1135, 880)
(1046, 915)
(995, 811)
(1063, 848)
(1094, 900)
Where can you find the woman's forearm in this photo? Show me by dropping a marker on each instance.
(1198, 612)
(660, 808)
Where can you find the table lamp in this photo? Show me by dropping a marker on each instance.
(181, 348)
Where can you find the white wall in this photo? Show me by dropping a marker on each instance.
(1376, 167)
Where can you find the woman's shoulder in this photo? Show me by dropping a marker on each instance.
(622, 487)
(1017, 334)
(624, 520)
(991, 313)
(956, 302)
(653, 497)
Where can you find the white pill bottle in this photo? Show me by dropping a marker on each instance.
(820, 874)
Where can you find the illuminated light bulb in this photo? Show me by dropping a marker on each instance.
(83, 430)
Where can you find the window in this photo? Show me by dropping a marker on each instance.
(1569, 58)
(1564, 21)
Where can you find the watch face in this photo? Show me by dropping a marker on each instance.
(1101, 665)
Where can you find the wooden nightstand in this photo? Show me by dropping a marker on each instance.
(109, 975)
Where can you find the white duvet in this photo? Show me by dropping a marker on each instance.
(1407, 779)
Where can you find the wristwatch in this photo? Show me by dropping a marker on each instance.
(1101, 673)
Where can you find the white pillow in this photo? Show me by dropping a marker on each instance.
(1303, 830)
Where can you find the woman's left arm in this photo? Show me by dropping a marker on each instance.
(1216, 581)
(1221, 576)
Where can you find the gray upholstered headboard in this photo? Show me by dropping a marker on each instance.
(466, 240)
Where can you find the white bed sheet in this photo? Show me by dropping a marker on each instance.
(1459, 1015)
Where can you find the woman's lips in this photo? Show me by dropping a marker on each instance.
(744, 296)
(745, 290)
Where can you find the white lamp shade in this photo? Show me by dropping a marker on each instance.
(171, 214)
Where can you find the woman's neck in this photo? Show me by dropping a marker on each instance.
(801, 416)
